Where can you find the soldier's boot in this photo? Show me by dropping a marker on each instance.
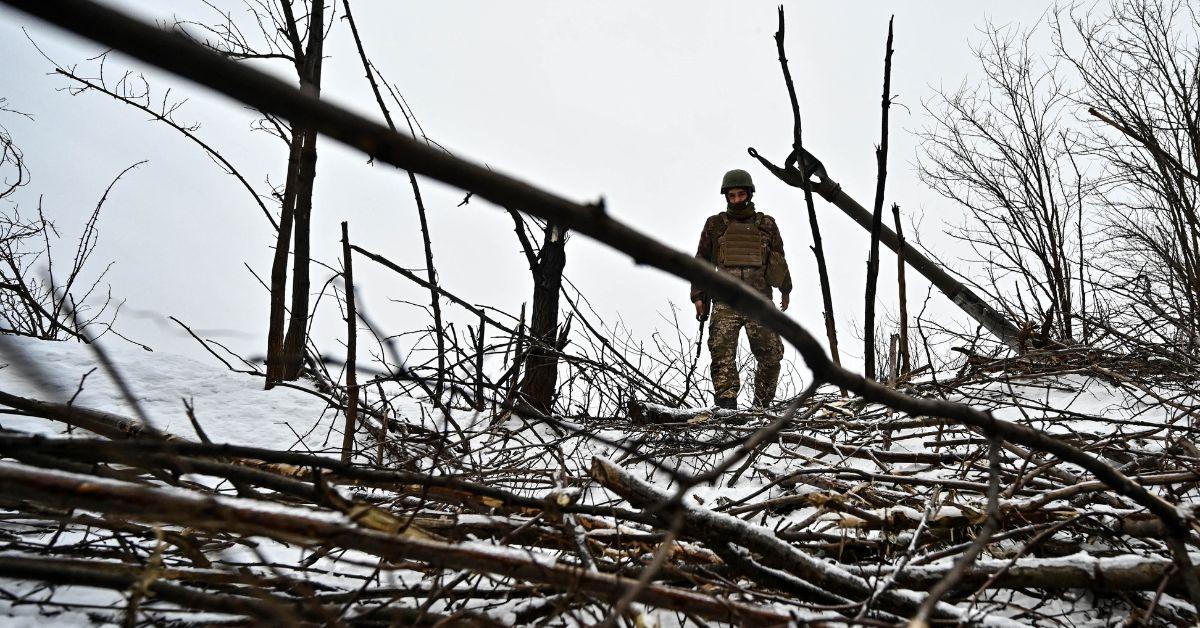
(765, 382)
(728, 403)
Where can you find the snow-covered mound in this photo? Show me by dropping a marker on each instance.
(230, 407)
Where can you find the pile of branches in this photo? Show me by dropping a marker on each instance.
(835, 510)
(973, 497)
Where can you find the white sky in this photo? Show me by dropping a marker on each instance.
(645, 104)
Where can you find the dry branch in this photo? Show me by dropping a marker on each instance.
(218, 514)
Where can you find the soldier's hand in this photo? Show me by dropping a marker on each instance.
(701, 311)
(784, 301)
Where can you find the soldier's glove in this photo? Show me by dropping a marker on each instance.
(701, 310)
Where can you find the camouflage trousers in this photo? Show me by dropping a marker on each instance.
(723, 331)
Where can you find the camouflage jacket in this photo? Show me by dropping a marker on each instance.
(755, 277)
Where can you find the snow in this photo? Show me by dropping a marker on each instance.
(231, 407)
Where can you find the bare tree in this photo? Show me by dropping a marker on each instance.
(36, 299)
(1003, 151)
(1139, 65)
(881, 152)
(279, 30)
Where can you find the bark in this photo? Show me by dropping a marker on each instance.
(283, 246)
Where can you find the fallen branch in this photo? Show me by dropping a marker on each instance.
(231, 515)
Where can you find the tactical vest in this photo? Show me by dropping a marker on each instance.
(742, 245)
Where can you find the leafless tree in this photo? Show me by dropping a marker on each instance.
(281, 30)
(1004, 151)
(1139, 66)
(881, 152)
(36, 298)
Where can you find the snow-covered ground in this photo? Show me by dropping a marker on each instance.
(233, 408)
(230, 407)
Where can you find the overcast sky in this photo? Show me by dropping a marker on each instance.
(645, 104)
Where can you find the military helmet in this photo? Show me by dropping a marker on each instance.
(737, 179)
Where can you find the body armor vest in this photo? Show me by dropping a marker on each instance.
(743, 245)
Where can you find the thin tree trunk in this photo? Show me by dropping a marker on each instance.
(905, 359)
(877, 216)
(818, 248)
(893, 364)
(435, 302)
(310, 83)
(283, 245)
(541, 363)
(514, 371)
(351, 349)
(479, 351)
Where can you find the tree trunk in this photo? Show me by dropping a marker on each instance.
(818, 248)
(877, 217)
(310, 83)
(905, 359)
(283, 246)
(351, 349)
(541, 363)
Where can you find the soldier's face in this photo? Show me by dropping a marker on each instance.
(736, 196)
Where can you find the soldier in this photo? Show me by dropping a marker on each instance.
(747, 245)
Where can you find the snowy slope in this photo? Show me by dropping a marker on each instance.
(231, 407)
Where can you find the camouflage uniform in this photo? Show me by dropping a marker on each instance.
(726, 324)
